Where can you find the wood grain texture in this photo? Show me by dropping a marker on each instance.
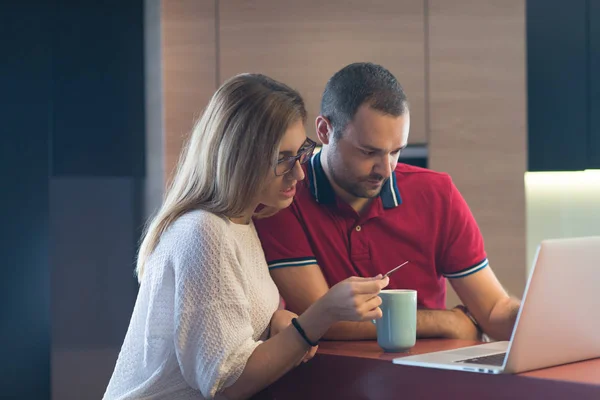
(303, 43)
(478, 120)
(359, 370)
(189, 69)
(577, 372)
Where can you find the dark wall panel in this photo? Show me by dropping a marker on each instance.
(557, 84)
(594, 54)
(93, 243)
(25, 115)
(99, 88)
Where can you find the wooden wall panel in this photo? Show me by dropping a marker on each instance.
(189, 69)
(478, 119)
(303, 43)
(470, 95)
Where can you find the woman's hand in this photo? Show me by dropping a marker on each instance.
(355, 299)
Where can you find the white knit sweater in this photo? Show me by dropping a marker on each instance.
(204, 305)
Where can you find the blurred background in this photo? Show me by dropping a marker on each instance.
(98, 97)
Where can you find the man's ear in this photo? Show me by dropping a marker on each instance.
(324, 129)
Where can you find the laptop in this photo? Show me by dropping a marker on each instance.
(558, 321)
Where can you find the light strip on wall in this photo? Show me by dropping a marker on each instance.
(563, 178)
(561, 204)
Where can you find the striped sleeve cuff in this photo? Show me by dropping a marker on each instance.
(292, 262)
(468, 271)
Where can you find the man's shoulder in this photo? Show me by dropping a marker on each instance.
(409, 176)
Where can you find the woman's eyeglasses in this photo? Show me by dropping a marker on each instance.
(286, 164)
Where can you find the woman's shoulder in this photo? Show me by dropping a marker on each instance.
(193, 231)
(197, 222)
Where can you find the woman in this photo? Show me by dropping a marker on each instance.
(206, 321)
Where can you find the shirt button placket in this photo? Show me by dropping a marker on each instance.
(359, 246)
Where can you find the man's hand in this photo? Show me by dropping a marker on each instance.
(280, 320)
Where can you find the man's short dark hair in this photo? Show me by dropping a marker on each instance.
(360, 83)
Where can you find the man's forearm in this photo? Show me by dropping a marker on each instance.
(452, 324)
(502, 318)
(351, 331)
(430, 324)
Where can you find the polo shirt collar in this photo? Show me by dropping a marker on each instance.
(323, 192)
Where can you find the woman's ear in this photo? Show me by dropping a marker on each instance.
(324, 130)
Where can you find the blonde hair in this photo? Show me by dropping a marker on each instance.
(230, 152)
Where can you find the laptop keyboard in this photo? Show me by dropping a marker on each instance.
(494, 359)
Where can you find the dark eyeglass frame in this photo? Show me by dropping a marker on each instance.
(304, 154)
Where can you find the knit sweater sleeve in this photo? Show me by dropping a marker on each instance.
(213, 331)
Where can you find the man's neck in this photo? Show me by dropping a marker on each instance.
(359, 204)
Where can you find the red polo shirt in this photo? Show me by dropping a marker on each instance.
(419, 216)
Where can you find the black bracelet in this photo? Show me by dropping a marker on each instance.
(303, 334)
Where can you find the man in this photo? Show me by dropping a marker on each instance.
(360, 212)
